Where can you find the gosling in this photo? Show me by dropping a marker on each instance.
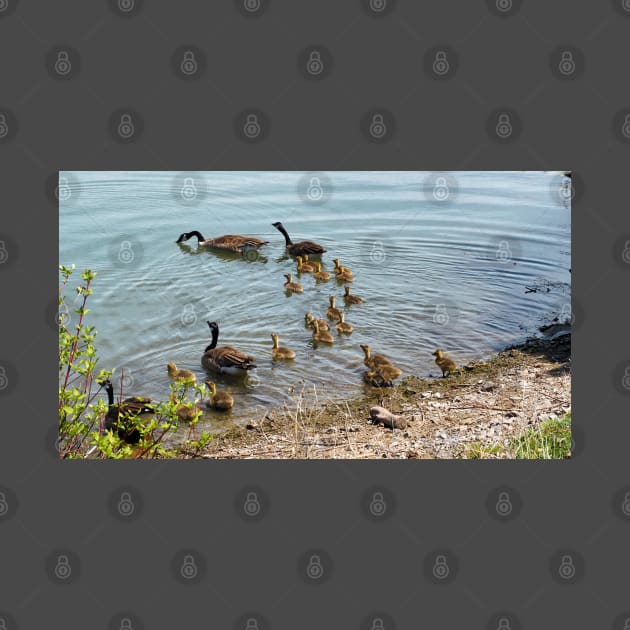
(322, 335)
(309, 319)
(304, 267)
(280, 352)
(218, 400)
(373, 360)
(343, 326)
(444, 363)
(292, 287)
(351, 299)
(382, 375)
(180, 375)
(332, 312)
(321, 275)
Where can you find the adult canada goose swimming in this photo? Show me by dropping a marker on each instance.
(322, 335)
(332, 312)
(291, 286)
(123, 417)
(180, 375)
(226, 359)
(343, 326)
(319, 274)
(301, 247)
(280, 352)
(373, 360)
(309, 322)
(218, 399)
(444, 363)
(304, 267)
(229, 242)
(351, 299)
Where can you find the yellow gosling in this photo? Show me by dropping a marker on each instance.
(280, 352)
(293, 287)
(444, 363)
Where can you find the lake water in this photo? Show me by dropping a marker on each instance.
(442, 260)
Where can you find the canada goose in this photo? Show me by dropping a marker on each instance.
(343, 326)
(332, 312)
(309, 319)
(229, 242)
(373, 360)
(301, 247)
(225, 359)
(382, 375)
(122, 417)
(304, 267)
(218, 400)
(289, 285)
(351, 299)
(186, 412)
(321, 335)
(180, 375)
(280, 352)
(319, 274)
(444, 363)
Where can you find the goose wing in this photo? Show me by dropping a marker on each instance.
(234, 242)
(308, 247)
(227, 357)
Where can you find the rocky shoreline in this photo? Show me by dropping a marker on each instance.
(485, 404)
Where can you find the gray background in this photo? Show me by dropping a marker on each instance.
(128, 567)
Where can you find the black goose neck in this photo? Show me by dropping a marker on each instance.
(287, 238)
(199, 235)
(215, 338)
(109, 388)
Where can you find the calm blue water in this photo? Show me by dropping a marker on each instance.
(440, 263)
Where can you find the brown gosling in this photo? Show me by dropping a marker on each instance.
(344, 275)
(304, 267)
(186, 412)
(218, 400)
(332, 312)
(319, 274)
(294, 287)
(351, 299)
(382, 375)
(280, 352)
(180, 375)
(343, 326)
(373, 360)
(444, 363)
(322, 335)
(309, 319)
